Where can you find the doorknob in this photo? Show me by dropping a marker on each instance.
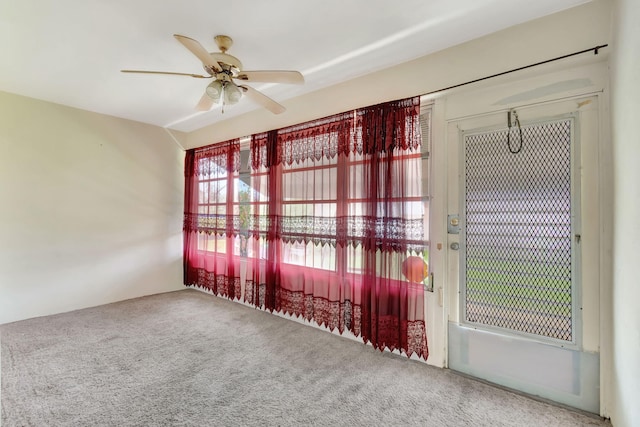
(455, 246)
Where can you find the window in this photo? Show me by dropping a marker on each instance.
(309, 202)
(325, 220)
(322, 203)
(320, 198)
(213, 195)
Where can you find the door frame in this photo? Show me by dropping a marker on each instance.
(468, 346)
(481, 99)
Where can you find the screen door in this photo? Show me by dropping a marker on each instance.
(518, 209)
(514, 252)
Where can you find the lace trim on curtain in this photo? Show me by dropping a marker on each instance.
(314, 140)
(397, 233)
(256, 294)
(388, 126)
(212, 159)
(330, 314)
(212, 224)
(219, 284)
(392, 233)
(259, 152)
(390, 332)
(323, 138)
(342, 134)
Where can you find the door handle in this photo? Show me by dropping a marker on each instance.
(455, 246)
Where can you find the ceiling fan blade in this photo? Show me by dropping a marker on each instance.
(262, 99)
(196, 48)
(291, 77)
(166, 72)
(205, 103)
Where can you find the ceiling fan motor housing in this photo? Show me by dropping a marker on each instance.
(229, 63)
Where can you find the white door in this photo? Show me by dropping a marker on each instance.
(523, 297)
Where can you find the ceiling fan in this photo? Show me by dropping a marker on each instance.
(225, 69)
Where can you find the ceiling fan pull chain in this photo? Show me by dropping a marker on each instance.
(222, 99)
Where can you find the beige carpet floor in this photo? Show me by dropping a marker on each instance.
(187, 358)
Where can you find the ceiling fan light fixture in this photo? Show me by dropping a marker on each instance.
(232, 93)
(214, 90)
(224, 69)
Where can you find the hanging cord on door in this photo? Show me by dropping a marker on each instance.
(517, 122)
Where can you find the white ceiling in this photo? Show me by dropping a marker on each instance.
(70, 51)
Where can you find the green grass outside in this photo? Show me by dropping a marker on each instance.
(514, 285)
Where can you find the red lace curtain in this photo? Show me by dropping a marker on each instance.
(297, 268)
(385, 225)
(211, 214)
(336, 211)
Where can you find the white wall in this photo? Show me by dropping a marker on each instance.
(625, 110)
(572, 30)
(91, 209)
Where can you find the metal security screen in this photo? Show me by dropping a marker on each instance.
(517, 207)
